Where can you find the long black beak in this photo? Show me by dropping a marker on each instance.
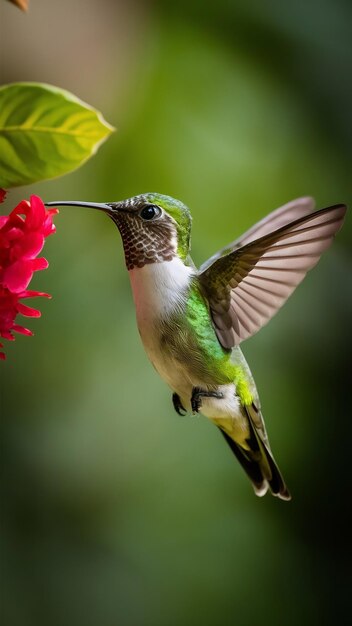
(92, 205)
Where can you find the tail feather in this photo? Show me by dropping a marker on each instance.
(251, 467)
(259, 464)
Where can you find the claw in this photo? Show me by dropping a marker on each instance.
(196, 402)
(178, 406)
(198, 393)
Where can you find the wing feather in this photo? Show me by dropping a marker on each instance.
(276, 219)
(247, 286)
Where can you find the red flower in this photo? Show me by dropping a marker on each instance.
(22, 236)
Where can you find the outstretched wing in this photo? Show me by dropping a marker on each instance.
(246, 287)
(276, 219)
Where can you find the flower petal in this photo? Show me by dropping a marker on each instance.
(27, 310)
(3, 193)
(30, 245)
(13, 233)
(17, 276)
(22, 330)
(7, 335)
(48, 226)
(22, 208)
(33, 294)
(39, 264)
(36, 215)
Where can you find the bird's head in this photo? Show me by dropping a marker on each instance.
(153, 227)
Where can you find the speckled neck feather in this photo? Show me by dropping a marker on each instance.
(146, 242)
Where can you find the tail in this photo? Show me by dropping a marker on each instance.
(258, 463)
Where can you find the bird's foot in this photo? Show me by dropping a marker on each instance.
(178, 406)
(198, 394)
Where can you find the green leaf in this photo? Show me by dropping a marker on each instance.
(45, 132)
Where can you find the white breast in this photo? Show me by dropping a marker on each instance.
(158, 288)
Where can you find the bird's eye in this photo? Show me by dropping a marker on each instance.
(150, 212)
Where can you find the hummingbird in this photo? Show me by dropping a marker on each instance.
(192, 321)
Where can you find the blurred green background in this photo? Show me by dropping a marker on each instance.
(115, 511)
